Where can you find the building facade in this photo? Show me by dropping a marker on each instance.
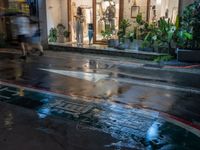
(97, 12)
(54, 12)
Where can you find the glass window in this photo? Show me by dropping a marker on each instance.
(87, 13)
(107, 17)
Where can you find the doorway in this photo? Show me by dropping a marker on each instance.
(87, 10)
(102, 14)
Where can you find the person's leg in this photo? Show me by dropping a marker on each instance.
(23, 50)
(28, 48)
(40, 47)
(81, 34)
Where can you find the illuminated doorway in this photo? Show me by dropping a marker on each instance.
(87, 10)
(102, 14)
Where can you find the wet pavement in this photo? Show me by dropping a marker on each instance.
(77, 102)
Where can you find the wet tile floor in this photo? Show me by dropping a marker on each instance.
(131, 128)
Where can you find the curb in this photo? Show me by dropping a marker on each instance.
(106, 51)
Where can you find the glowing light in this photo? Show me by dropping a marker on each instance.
(158, 2)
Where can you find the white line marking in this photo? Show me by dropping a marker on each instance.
(80, 75)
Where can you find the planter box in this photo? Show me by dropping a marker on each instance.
(188, 55)
(146, 49)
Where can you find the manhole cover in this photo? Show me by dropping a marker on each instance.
(69, 107)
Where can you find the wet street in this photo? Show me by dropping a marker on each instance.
(66, 101)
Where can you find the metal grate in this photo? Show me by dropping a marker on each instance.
(69, 107)
(7, 93)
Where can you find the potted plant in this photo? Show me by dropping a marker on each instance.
(159, 35)
(188, 37)
(165, 35)
(151, 38)
(52, 35)
(124, 24)
(141, 30)
(131, 36)
(107, 35)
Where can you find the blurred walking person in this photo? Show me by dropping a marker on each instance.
(22, 25)
(34, 41)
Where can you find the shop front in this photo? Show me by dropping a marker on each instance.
(98, 16)
(103, 16)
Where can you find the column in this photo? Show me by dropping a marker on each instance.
(43, 22)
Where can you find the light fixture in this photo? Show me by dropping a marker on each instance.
(135, 10)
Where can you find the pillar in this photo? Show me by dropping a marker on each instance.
(43, 22)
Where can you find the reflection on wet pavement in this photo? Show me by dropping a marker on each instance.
(106, 105)
(132, 128)
(8, 122)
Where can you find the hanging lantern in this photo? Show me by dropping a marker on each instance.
(135, 10)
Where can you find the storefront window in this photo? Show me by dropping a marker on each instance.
(107, 17)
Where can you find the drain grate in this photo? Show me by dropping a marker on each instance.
(55, 104)
(74, 108)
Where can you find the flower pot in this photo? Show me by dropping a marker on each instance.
(112, 42)
(147, 49)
